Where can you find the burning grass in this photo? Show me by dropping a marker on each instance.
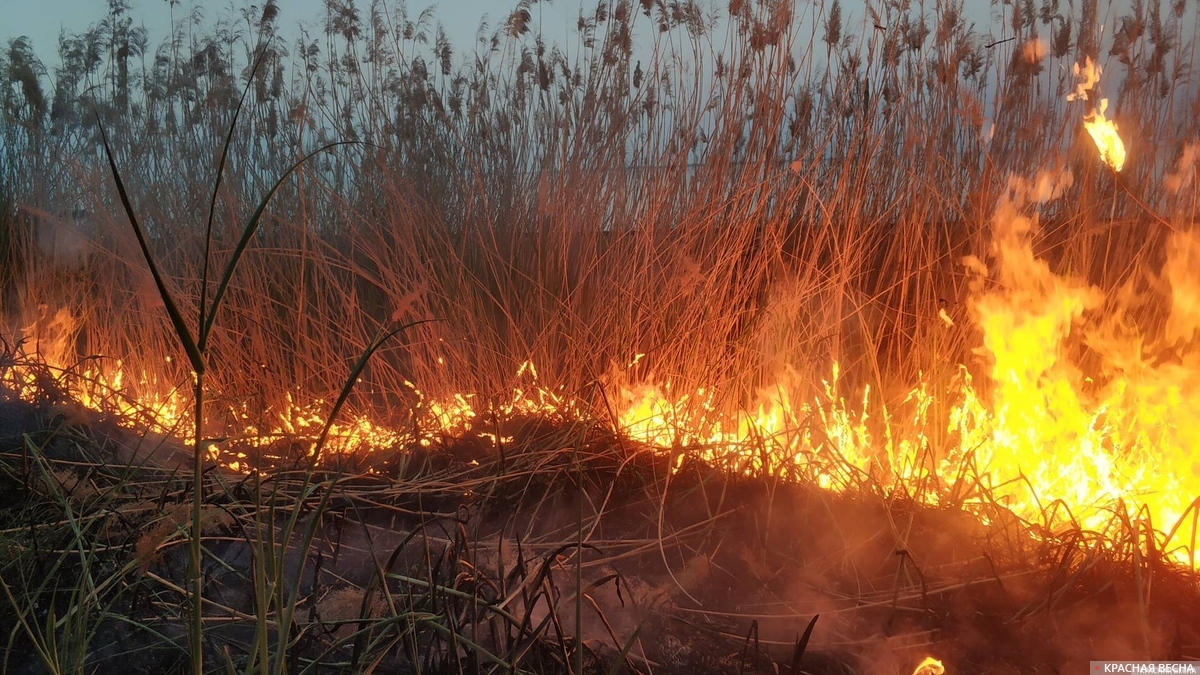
(736, 333)
(449, 559)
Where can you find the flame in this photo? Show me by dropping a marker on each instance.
(1050, 439)
(1103, 131)
(930, 666)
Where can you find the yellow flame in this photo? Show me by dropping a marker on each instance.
(930, 666)
(1041, 434)
(1103, 131)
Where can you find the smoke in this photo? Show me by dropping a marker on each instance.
(1034, 51)
(64, 243)
(1185, 169)
(1089, 76)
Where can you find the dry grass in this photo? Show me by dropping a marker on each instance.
(542, 206)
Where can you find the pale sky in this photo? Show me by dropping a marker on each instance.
(42, 20)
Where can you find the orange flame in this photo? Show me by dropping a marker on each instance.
(1042, 435)
(1103, 131)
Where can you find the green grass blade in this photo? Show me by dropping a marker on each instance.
(247, 235)
(802, 645)
(348, 386)
(184, 335)
(615, 668)
(212, 202)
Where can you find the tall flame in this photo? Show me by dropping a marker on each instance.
(1102, 130)
(1104, 133)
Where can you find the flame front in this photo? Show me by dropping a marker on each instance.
(1051, 440)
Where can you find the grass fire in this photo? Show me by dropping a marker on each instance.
(751, 337)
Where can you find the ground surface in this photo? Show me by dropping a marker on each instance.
(691, 571)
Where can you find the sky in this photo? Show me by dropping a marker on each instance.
(42, 20)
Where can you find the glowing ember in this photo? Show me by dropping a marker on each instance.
(1103, 131)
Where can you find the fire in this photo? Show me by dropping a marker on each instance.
(1043, 432)
(1051, 440)
(1083, 440)
(930, 666)
(1103, 131)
